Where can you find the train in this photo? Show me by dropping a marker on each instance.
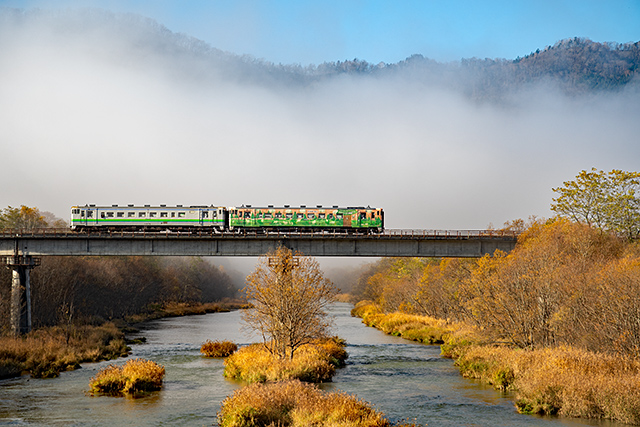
(227, 219)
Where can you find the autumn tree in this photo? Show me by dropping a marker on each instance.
(23, 217)
(289, 295)
(609, 201)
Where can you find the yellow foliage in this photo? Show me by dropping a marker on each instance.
(137, 375)
(314, 362)
(218, 348)
(296, 404)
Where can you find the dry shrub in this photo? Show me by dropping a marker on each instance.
(48, 351)
(314, 362)
(562, 380)
(424, 329)
(218, 348)
(137, 375)
(296, 404)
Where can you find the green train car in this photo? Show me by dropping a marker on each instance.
(307, 218)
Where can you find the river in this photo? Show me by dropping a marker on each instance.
(404, 380)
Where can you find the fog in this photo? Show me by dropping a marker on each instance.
(99, 111)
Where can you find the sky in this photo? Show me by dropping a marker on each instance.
(311, 32)
(93, 115)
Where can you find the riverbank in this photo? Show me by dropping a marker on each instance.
(562, 380)
(46, 352)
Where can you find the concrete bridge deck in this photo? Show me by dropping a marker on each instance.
(394, 243)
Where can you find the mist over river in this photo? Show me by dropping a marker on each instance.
(400, 378)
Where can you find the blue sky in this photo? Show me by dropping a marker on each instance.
(311, 32)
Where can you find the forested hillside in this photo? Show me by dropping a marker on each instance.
(576, 65)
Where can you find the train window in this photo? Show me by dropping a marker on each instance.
(278, 214)
(181, 214)
(339, 216)
(153, 214)
(163, 214)
(89, 214)
(120, 214)
(268, 216)
(300, 216)
(321, 216)
(131, 214)
(205, 214)
(330, 216)
(102, 215)
(311, 216)
(142, 214)
(173, 214)
(363, 215)
(288, 215)
(82, 214)
(247, 214)
(214, 214)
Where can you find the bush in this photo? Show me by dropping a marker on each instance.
(314, 362)
(48, 351)
(218, 348)
(137, 375)
(293, 403)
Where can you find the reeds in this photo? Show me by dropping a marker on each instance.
(424, 329)
(296, 404)
(315, 362)
(44, 353)
(137, 375)
(218, 348)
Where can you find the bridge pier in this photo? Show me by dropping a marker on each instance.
(20, 291)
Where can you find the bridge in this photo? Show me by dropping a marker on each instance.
(391, 243)
(20, 250)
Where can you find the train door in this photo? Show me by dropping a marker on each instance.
(204, 217)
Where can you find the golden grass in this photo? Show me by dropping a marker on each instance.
(218, 348)
(560, 380)
(137, 375)
(314, 362)
(424, 329)
(296, 404)
(44, 353)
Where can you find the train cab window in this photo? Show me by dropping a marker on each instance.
(278, 214)
(131, 214)
(142, 214)
(181, 214)
(120, 214)
(320, 216)
(153, 214)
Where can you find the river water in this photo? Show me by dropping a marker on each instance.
(402, 379)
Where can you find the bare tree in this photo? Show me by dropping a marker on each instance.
(289, 295)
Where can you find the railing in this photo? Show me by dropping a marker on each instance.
(244, 233)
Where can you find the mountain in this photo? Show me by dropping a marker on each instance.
(577, 65)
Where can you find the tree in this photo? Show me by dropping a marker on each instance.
(289, 294)
(23, 217)
(609, 201)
